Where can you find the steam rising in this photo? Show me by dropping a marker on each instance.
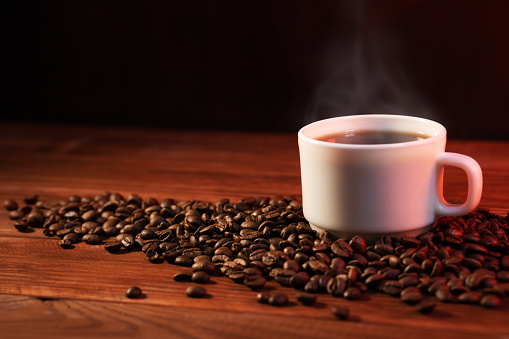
(365, 74)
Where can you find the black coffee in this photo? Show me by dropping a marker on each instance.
(367, 137)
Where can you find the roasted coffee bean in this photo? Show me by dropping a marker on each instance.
(490, 301)
(263, 297)
(494, 290)
(340, 311)
(323, 280)
(73, 238)
(311, 287)
(11, 205)
(92, 239)
(411, 295)
(444, 295)
(473, 281)
(373, 280)
(255, 283)
(65, 243)
(200, 277)
(289, 251)
(337, 263)
(384, 249)
(113, 247)
(476, 249)
(393, 288)
(471, 263)
(426, 306)
(317, 267)
(31, 199)
(202, 257)
(434, 287)
(361, 286)
(341, 249)
(224, 251)
(255, 239)
(358, 244)
(390, 273)
(196, 292)
(236, 276)
(21, 226)
(35, 219)
(257, 254)
(353, 273)
(336, 287)
(279, 299)
(372, 256)
(391, 259)
(414, 267)
(469, 298)
(489, 281)
(291, 265)
(206, 266)
(306, 299)
(504, 262)
(183, 276)
(183, 260)
(407, 281)
(134, 292)
(320, 256)
(352, 293)
(503, 276)
(299, 280)
(410, 241)
(459, 289)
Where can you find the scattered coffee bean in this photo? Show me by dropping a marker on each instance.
(10, 205)
(183, 276)
(92, 239)
(134, 292)
(352, 293)
(341, 311)
(113, 247)
(461, 259)
(206, 266)
(306, 299)
(426, 306)
(256, 283)
(278, 299)
(196, 292)
(183, 260)
(311, 287)
(21, 226)
(469, 298)
(490, 301)
(444, 295)
(263, 298)
(31, 199)
(200, 277)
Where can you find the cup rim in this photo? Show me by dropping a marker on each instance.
(441, 132)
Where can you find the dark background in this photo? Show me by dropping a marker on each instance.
(255, 65)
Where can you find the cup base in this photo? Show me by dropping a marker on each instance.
(371, 238)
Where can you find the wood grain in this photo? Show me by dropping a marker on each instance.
(49, 292)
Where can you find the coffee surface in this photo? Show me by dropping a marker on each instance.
(368, 137)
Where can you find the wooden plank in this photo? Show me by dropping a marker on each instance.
(86, 319)
(82, 290)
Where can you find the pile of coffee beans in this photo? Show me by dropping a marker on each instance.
(462, 259)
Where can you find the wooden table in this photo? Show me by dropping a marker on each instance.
(49, 292)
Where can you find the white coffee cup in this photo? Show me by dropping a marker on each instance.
(379, 189)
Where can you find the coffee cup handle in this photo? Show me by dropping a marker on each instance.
(475, 182)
